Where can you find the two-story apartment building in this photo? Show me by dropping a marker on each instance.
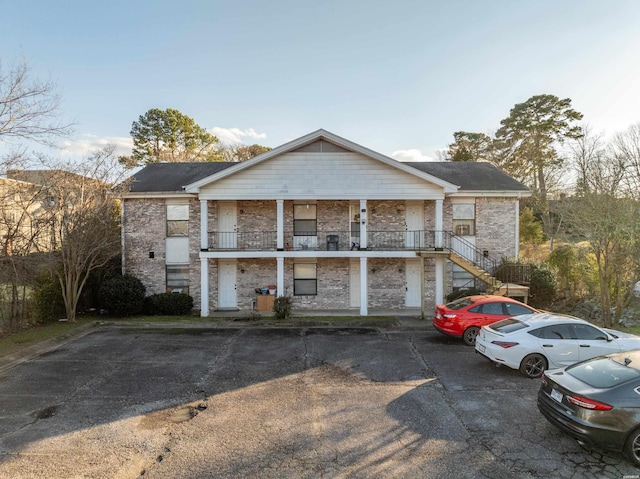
(324, 220)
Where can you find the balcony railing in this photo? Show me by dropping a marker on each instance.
(349, 241)
(324, 240)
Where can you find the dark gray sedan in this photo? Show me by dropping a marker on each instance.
(597, 402)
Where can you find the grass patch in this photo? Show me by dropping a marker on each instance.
(13, 342)
(631, 329)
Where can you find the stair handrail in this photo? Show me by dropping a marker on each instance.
(479, 258)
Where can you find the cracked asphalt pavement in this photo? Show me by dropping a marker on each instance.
(268, 402)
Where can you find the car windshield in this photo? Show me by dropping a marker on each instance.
(602, 372)
(459, 303)
(508, 325)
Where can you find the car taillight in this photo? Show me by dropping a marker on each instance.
(543, 378)
(504, 344)
(449, 316)
(587, 403)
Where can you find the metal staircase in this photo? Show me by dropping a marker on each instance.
(499, 279)
(493, 283)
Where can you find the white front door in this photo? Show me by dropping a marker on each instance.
(354, 283)
(227, 297)
(227, 225)
(412, 295)
(414, 224)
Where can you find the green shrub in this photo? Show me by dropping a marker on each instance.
(122, 295)
(542, 281)
(461, 293)
(531, 230)
(169, 304)
(542, 290)
(48, 304)
(282, 307)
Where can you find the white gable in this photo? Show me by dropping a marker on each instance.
(321, 165)
(321, 175)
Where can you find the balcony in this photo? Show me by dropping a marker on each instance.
(322, 241)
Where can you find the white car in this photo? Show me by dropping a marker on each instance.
(533, 343)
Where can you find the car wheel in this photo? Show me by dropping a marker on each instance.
(632, 447)
(533, 365)
(469, 335)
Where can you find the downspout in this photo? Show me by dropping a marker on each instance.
(122, 235)
(517, 228)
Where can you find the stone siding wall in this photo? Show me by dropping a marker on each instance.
(254, 273)
(387, 282)
(386, 215)
(333, 285)
(144, 230)
(496, 226)
(257, 224)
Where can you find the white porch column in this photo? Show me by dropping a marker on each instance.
(204, 287)
(439, 280)
(204, 225)
(280, 227)
(280, 277)
(422, 287)
(439, 223)
(517, 232)
(364, 287)
(363, 224)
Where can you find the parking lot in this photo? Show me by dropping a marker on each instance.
(262, 401)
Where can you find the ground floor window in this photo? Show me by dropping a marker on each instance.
(305, 280)
(178, 278)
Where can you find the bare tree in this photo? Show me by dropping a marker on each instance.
(21, 238)
(626, 146)
(605, 215)
(85, 220)
(29, 108)
(240, 152)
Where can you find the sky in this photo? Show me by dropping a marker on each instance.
(398, 77)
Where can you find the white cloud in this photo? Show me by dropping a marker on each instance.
(89, 143)
(411, 155)
(234, 136)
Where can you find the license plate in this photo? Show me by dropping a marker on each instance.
(555, 394)
(481, 348)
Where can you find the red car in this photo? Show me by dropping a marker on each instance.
(464, 317)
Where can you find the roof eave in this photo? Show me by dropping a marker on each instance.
(493, 193)
(156, 194)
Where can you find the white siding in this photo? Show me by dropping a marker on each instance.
(303, 175)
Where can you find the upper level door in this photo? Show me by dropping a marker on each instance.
(227, 225)
(414, 224)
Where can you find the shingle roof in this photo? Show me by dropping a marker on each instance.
(157, 177)
(470, 176)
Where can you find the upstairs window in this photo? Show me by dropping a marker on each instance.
(304, 220)
(177, 220)
(464, 219)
